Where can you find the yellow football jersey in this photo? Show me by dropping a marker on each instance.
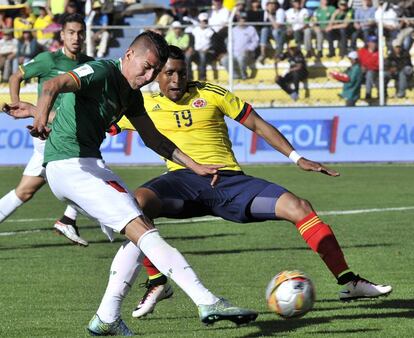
(196, 122)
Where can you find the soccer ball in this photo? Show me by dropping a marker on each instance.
(290, 294)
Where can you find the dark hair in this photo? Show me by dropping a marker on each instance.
(176, 53)
(158, 43)
(75, 17)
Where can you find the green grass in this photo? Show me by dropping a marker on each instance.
(50, 288)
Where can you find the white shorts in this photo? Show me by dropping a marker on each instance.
(34, 166)
(88, 184)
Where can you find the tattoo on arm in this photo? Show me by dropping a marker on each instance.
(177, 157)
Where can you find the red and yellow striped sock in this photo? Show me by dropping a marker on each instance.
(152, 271)
(321, 239)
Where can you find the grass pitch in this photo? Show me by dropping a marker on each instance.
(50, 288)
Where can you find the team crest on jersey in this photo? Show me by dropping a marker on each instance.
(199, 103)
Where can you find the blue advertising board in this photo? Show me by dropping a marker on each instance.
(335, 134)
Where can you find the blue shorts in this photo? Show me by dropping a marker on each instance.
(230, 198)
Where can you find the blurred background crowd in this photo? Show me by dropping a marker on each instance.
(265, 34)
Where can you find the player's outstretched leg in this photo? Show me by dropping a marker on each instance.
(124, 270)
(157, 287)
(8, 204)
(321, 239)
(24, 191)
(66, 226)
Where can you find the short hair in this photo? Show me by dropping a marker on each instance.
(75, 17)
(160, 46)
(176, 53)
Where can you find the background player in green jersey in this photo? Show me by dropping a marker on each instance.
(44, 67)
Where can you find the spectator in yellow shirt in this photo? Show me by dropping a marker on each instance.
(44, 19)
(57, 6)
(23, 22)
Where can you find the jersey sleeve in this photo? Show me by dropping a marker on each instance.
(36, 66)
(136, 106)
(234, 107)
(91, 74)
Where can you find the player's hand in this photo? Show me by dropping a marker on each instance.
(308, 165)
(39, 129)
(209, 169)
(21, 110)
(4, 107)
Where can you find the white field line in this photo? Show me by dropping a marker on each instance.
(13, 233)
(25, 220)
(205, 219)
(362, 211)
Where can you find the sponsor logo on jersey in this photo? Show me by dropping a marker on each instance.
(84, 70)
(199, 103)
(156, 107)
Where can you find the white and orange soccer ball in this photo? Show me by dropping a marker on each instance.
(290, 294)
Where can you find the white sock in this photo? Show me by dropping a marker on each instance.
(124, 271)
(8, 204)
(71, 212)
(172, 264)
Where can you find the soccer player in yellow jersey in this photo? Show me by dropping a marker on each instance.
(192, 116)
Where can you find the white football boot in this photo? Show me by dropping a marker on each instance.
(70, 232)
(362, 288)
(97, 327)
(154, 294)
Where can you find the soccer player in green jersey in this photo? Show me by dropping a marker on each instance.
(44, 67)
(97, 94)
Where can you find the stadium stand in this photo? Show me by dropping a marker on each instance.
(261, 90)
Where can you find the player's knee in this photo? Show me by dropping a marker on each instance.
(25, 194)
(300, 208)
(304, 207)
(148, 201)
(140, 197)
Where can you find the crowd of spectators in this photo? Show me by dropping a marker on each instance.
(262, 32)
(30, 27)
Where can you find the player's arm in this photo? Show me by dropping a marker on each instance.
(164, 147)
(51, 89)
(35, 68)
(14, 85)
(275, 139)
(24, 110)
(20, 110)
